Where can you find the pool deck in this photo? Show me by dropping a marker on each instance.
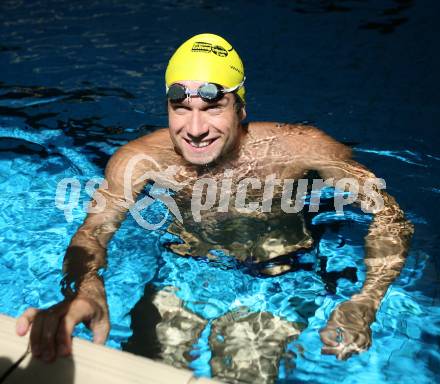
(89, 363)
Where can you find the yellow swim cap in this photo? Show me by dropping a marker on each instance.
(206, 57)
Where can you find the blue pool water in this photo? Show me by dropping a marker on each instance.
(79, 79)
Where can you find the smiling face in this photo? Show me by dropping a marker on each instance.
(203, 132)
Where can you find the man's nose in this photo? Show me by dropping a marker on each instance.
(197, 128)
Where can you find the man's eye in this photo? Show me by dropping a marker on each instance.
(213, 108)
(180, 108)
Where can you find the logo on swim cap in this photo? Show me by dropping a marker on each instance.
(201, 46)
(235, 69)
(219, 51)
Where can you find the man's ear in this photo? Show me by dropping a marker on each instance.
(243, 113)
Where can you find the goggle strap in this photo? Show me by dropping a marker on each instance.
(232, 89)
(224, 90)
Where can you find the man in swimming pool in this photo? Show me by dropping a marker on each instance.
(206, 139)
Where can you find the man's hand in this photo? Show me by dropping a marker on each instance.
(348, 330)
(51, 329)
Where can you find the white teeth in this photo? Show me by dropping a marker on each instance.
(200, 144)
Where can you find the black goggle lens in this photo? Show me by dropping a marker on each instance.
(176, 93)
(208, 92)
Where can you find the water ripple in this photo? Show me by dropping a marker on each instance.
(406, 156)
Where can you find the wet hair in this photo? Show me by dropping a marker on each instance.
(238, 103)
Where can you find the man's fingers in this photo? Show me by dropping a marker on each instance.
(329, 337)
(330, 350)
(37, 328)
(81, 310)
(44, 328)
(341, 351)
(64, 336)
(95, 317)
(78, 311)
(51, 322)
(51, 332)
(100, 331)
(25, 320)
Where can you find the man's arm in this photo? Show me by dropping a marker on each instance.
(386, 244)
(386, 247)
(82, 286)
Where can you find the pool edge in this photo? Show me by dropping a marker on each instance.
(89, 363)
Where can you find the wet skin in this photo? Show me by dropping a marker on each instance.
(202, 141)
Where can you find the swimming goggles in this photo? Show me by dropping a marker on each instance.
(208, 92)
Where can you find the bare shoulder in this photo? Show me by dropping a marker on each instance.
(300, 139)
(266, 129)
(153, 151)
(150, 143)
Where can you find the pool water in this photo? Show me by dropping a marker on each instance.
(79, 79)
